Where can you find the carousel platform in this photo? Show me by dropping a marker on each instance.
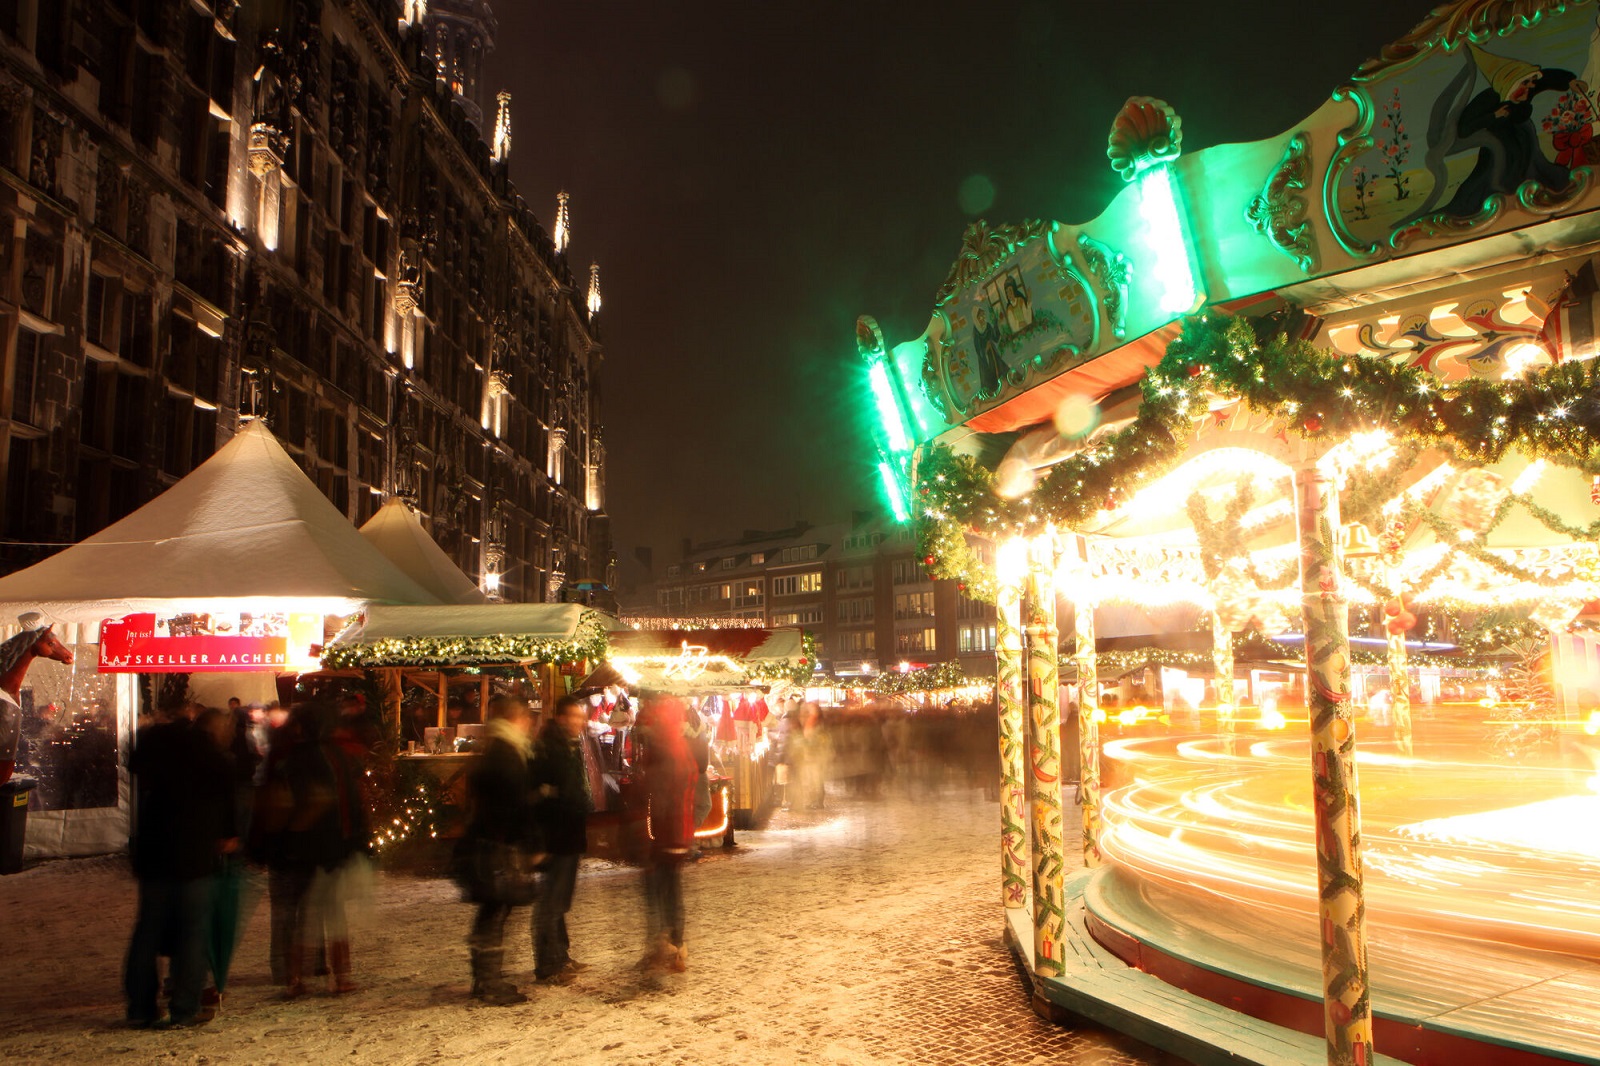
(1436, 998)
(1102, 987)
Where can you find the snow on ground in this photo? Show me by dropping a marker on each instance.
(868, 933)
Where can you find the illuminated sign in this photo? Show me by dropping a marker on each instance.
(201, 643)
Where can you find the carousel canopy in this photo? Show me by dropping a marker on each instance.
(397, 532)
(471, 635)
(686, 661)
(246, 527)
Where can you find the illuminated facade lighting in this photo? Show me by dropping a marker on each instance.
(563, 228)
(501, 149)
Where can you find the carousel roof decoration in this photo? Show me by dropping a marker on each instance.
(1551, 413)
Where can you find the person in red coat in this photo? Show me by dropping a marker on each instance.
(669, 771)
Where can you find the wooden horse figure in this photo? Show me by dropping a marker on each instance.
(16, 655)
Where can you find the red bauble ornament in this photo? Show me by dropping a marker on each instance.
(804, 662)
(928, 561)
(1594, 490)
(961, 586)
(1393, 607)
(1313, 424)
(1196, 370)
(1400, 622)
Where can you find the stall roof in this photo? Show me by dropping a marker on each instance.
(245, 527)
(548, 621)
(471, 634)
(397, 532)
(706, 660)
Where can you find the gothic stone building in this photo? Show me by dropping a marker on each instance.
(292, 209)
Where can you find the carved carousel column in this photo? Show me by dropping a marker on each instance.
(1222, 666)
(1396, 621)
(1088, 720)
(1011, 566)
(1347, 1008)
(1044, 755)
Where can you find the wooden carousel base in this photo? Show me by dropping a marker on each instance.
(1436, 998)
(1100, 987)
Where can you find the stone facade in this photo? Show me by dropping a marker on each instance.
(284, 208)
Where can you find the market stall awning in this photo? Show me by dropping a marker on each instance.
(708, 660)
(471, 635)
(397, 532)
(244, 529)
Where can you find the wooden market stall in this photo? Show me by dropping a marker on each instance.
(540, 650)
(735, 668)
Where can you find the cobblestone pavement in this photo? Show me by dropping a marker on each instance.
(866, 933)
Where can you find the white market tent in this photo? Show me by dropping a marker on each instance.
(397, 532)
(246, 530)
(245, 526)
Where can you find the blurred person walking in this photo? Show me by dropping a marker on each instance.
(343, 839)
(494, 861)
(669, 772)
(815, 755)
(564, 771)
(224, 730)
(182, 826)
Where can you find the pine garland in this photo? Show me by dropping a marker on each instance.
(1553, 413)
(587, 643)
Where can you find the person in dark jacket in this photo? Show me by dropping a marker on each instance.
(564, 768)
(500, 796)
(669, 776)
(183, 824)
(308, 822)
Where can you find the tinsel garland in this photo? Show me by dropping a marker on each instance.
(1552, 413)
(588, 642)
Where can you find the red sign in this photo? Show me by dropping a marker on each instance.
(187, 644)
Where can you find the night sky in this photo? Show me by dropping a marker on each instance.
(751, 176)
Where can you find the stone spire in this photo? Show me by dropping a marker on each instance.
(563, 233)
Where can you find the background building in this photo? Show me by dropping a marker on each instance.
(859, 588)
(297, 209)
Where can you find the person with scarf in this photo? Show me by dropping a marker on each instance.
(500, 793)
(564, 771)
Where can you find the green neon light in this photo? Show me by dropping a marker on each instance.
(894, 428)
(893, 493)
(1173, 272)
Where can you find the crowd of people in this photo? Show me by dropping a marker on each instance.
(213, 792)
(218, 791)
(222, 790)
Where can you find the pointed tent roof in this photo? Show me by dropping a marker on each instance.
(244, 526)
(397, 532)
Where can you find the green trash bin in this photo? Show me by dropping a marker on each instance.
(14, 795)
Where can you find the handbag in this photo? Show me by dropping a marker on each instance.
(493, 871)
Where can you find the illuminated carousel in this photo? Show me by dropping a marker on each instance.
(1327, 402)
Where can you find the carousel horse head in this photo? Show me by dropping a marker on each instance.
(34, 642)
